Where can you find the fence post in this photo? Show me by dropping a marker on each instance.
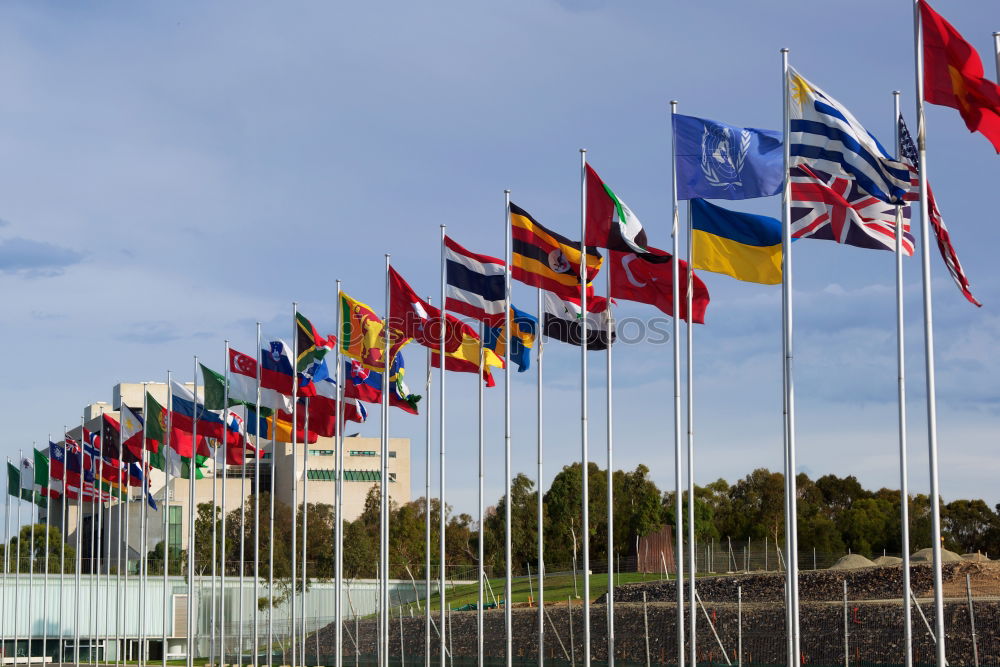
(402, 651)
(847, 647)
(765, 553)
(572, 646)
(972, 621)
(451, 646)
(739, 626)
(645, 625)
(814, 560)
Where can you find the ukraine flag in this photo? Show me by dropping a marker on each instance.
(742, 245)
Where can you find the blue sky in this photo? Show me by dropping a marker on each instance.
(175, 172)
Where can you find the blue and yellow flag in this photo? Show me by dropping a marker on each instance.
(742, 245)
(525, 328)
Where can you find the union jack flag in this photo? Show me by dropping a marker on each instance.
(833, 207)
(908, 152)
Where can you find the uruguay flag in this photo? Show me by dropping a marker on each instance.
(475, 284)
(824, 135)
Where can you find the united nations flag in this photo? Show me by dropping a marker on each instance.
(720, 161)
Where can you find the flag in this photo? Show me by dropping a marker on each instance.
(137, 478)
(542, 258)
(271, 427)
(954, 77)
(57, 467)
(465, 359)
(562, 321)
(366, 385)
(312, 346)
(110, 438)
(168, 460)
(276, 367)
(186, 408)
(322, 410)
(419, 320)
(742, 245)
(720, 161)
(525, 329)
(635, 279)
(131, 433)
(42, 486)
(610, 222)
(362, 334)
(156, 423)
(834, 207)
(27, 479)
(825, 136)
(14, 487)
(909, 156)
(275, 393)
(475, 283)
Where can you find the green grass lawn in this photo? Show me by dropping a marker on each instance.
(558, 588)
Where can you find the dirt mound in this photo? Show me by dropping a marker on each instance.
(926, 556)
(851, 562)
(976, 557)
(883, 561)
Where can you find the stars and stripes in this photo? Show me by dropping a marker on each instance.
(825, 136)
(908, 153)
(834, 207)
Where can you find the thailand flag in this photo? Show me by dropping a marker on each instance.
(475, 284)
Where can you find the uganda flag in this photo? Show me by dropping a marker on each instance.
(542, 258)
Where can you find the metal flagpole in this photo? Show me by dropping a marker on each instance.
(94, 561)
(427, 510)
(243, 530)
(441, 435)
(482, 474)
(689, 292)
(305, 529)
(508, 551)
(143, 528)
(584, 442)
(123, 510)
(925, 260)
(222, 565)
(384, 478)
(213, 616)
(31, 548)
(540, 508)
(191, 552)
(996, 50)
(64, 518)
(256, 512)
(6, 555)
(17, 557)
(678, 463)
(45, 576)
(792, 538)
(610, 605)
(79, 548)
(338, 601)
(295, 481)
(904, 493)
(270, 533)
(165, 450)
(99, 555)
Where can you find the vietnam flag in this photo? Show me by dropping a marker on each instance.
(953, 76)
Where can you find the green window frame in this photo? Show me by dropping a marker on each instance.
(174, 527)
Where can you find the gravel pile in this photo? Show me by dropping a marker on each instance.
(882, 561)
(851, 562)
(927, 556)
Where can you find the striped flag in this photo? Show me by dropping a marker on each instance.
(825, 136)
(908, 152)
(543, 258)
(475, 283)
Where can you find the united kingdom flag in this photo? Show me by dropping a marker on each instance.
(833, 207)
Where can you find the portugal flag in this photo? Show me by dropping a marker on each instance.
(953, 76)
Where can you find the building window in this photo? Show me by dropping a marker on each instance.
(174, 528)
(358, 452)
(392, 454)
(321, 475)
(321, 452)
(392, 477)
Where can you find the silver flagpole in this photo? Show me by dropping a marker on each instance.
(165, 449)
(482, 473)
(45, 576)
(95, 579)
(792, 538)
(540, 505)
(243, 530)
(904, 493)
(384, 480)
(99, 555)
(213, 616)
(6, 556)
(305, 526)
(62, 548)
(256, 513)
(79, 550)
(192, 477)
(222, 565)
(996, 50)
(295, 481)
(143, 528)
(678, 463)
(508, 593)
(17, 562)
(925, 260)
(427, 510)
(584, 441)
(123, 549)
(338, 601)
(610, 608)
(442, 574)
(689, 300)
(270, 540)
(31, 548)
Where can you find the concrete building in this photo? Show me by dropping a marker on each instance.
(316, 462)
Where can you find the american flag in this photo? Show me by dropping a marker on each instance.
(908, 151)
(833, 207)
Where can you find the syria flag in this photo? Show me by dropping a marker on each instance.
(635, 279)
